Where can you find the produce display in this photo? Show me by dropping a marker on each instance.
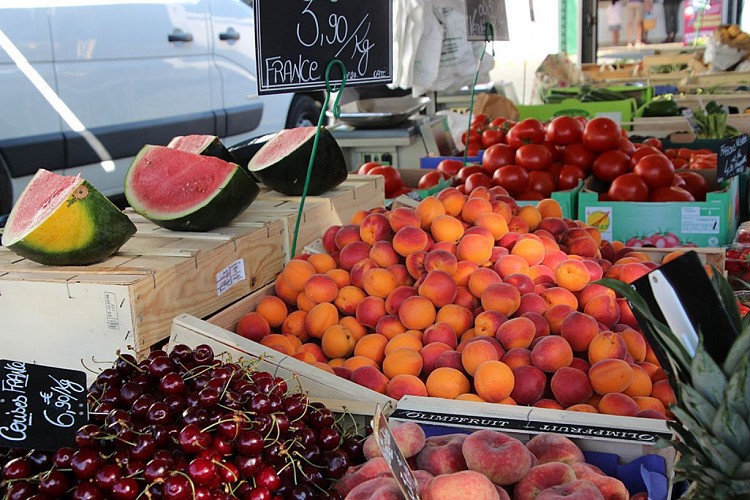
(282, 162)
(469, 297)
(188, 425)
(64, 221)
(187, 191)
(482, 465)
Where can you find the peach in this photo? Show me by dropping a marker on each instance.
(375, 227)
(502, 297)
(394, 299)
(464, 270)
(370, 310)
(465, 298)
(446, 382)
(358, 474)
(405, 385)
(389, 326)
(501, 458)
(415, 264)
(430, 353)
(353, 253)
(542, 327)
(609, 487)
(592, 290)
(442, 260)
(579, 329)
(509, 264)
(487, 323)
(458, 317)
(401, 217)
(447, 228)
(541, 477)
(410, 239)
(253, 326)
(474, 248)
(439, 287)
(616, 403)
(610, 375)
(329, 238)
(532, 303)
(516, 332)
(604, 309)
(606, 345)
(370, 377)
(550, 447)
(480, 279)
(461, 485)
(551, 353)
(580, 489)
(383, 254)
(410, 439)
(530, 384)
(451, 359)
(442, 454)
(477, 352)
(517, 357)
(571, 386)
(555, 316)
(523, 282)
(382, 487)
(440, 332)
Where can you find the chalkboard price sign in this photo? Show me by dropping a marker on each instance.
(479, 13)
(296, 39)
(41, 407)
(732, 157)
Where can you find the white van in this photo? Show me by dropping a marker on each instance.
(84, 84)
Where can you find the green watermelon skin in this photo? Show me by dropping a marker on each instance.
(235, 194)
(286, 174)
(113, 229)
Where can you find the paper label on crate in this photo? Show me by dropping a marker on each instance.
(697, 220)
(230, 276)
(393, 456)
(600, 218)
(110, 309)
(41, 407)
(615, 115)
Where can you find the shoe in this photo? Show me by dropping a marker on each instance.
(630, 45)
(638, 44)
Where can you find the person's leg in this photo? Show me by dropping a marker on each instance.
(616, 36)
(638, 23)
(629, 12)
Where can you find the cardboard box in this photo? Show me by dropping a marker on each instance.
(620, 111)
(711, 223)
(83, 315)
(630, 438)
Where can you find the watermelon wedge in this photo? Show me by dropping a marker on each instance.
(281, 164)
(186, 191)
(206, 145)
(63, 220)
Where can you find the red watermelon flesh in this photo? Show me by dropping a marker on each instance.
(43, 195)
(285, 142)
(176, 180)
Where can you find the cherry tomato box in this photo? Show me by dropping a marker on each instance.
(709, 223)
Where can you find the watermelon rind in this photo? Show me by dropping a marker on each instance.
(209, 210)
(206, 145)
(281, 164)
(84, 229)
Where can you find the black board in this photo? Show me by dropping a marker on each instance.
(41, 407)
(732, 157)
(296, 39)
(481, 12)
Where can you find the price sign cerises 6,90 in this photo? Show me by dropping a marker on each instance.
(296, 39)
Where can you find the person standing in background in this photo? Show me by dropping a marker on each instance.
(634, 21)
(671, 18)
(614, 20)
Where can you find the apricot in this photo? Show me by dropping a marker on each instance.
(555, 316)
(370, 377)
(458, 317)
(531, 215)
(370, 310)
(296, 273)
(348, 299)
(439, 287)
(606, 345)
(579, 329)
(604, 309)
(502, 297)
(354, 326)
(530, 384)
(403, 216)
(571, 386)
(440, 260)
(253, 326)
(355, 362)
(321, 288)
(616, 403)
(551, 353)
(447, 228)
(278, 342)
(402, 361)
(389, 326)
(453, 201)
(610, 375)
(430, 353)
(410, 239)
(477, 352)
(640, 385)
(273, 309)
(542, 327)
(493, 381)
(294, 324)
(314, 350)
(516, 333)
(549, 208)
(474, 248)
(320, 317)
(405, 385)
(384, 255)
(406, 340)
(446, 383)
(417, 312)
(662, 391)
(494, 222)
(481, 279)
(440, 332)
(474, 207)
(572, 275)
(518, 356)
(530, 248)
(337, 341)
(487, 323)
(635, 343)
(340, 276)
(379, 282)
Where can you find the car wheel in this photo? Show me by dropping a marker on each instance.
(304, 112)
(6, 193)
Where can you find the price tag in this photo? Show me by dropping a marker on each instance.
(732, 157)
(479, 13)
(296, 39)
(393, 456)
(41, 407)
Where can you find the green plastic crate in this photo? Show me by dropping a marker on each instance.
(620, 111)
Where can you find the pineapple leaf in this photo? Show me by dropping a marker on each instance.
(738, 489)
(731, 428)
(740, 348)
(661, 332)
(737, 394)
(707, 377)
(743, 471)
(719, 455)
(697, 408)
(728, 299)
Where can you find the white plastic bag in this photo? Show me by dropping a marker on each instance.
(721, 57)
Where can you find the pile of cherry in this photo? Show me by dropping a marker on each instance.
(187, 425)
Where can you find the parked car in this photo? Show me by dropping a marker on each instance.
(86, 83)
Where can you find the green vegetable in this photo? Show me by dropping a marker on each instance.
(712, 122)
(659, 107)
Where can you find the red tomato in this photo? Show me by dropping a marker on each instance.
(657, 171)
(431, 179)
(365, 168)
(513, 178)
(610, 165)
(553, 150)
(541, 181)
(628, 187)
(641, 152)
(533, 156)
(474, 137)
(626, 146)
(679, 182)
(654, 142)
(679, 163)
(476, 180)
(392, 176)
(601, 134)
(479, 120)
(497, 156)
(449, 166)
(528, 131)
(569, 177)
(695, 184)
(492, 136)
(564, 130)
(466, 172)
(577, 154)
(670, 193)
(500, 121)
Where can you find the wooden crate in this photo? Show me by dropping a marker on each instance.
(662, 126)
(127, 302)
(740, 100)
(720, 78)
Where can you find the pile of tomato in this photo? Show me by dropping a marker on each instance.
(531, 159)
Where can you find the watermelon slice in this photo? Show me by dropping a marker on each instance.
(65, 221)
(185, 191)
(282, 162)
(206, 145)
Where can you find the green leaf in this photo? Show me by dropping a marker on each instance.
(720, 455)
(743, 471)
(737, 393)
(739, 489)
(732, 430)
(707, 377)
(740, 349)
(727, 297)
(698, 408)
